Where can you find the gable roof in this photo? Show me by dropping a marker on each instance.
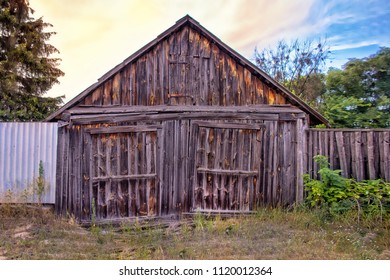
(316, 117)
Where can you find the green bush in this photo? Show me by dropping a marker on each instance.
(340, 194)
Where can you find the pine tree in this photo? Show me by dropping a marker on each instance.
(27, 70)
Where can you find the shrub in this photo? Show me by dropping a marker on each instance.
(340, 194)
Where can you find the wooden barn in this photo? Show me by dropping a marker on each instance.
(184, 124)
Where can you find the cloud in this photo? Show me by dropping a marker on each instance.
(95, 35)
(354, 45)
(266, 22)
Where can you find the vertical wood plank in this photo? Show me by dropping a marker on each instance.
(233, 165)
(137, 170)
(370, 155)
(386, 155)
(224, 165)
(149, 158)
(170, 165)
(177, 166)
(341, 151)
(107, 92)
(300, 148)
(332, 153)
(216, 178)
(275, 165)
(160, 170)
(116, 89)
(125, 86)
(150, 80)
(184, 146)
(143, 170)
(359, 156)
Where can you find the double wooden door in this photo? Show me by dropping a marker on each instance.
(132, 173)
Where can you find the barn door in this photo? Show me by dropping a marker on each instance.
(123, 171)
(227, 164)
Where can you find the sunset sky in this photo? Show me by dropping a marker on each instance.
(93, 36)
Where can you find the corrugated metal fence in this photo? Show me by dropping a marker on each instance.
(22, 147)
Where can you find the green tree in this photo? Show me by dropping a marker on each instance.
(27, 70)
(298, 65)
(359, 95)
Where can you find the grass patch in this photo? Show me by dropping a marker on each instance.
(28, 232)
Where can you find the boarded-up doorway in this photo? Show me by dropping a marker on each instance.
(227, 165)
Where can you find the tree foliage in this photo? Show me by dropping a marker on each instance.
(27, 70)
(359, 95)
(297, 65)
(356, 96)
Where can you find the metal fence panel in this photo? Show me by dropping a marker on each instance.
(22, 147)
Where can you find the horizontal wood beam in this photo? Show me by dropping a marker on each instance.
(230, 125)
(163, 117)
(123, 129)
(219, 212)
(227, 172)
(84, 110)
(125, 177)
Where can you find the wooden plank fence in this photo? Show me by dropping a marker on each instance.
(362, 154)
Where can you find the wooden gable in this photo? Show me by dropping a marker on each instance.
(187, 65)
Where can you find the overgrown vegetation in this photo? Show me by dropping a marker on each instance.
(340, 219)
(277, 233)
(369, 199)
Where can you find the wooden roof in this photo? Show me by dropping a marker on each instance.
(315, 117)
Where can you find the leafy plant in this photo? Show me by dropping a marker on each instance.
(339, 194)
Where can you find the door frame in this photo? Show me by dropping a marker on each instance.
(194, 169)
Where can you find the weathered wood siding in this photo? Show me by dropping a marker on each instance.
(183, 124)
(227, 165)
(139, 165)
(185, 68)
(360, 153)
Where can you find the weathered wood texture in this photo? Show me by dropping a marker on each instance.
(227, 166)
(185, 68)
(162, 166)
(360, 153)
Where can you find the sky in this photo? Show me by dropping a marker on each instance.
(93, 36)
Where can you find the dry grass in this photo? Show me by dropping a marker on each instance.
(34, 233)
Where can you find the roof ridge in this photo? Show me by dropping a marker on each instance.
(187, 17)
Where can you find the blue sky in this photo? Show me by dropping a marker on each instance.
(95, 35)
(354, 29)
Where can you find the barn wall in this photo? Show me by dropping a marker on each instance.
(185, 68)
(166, 184)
